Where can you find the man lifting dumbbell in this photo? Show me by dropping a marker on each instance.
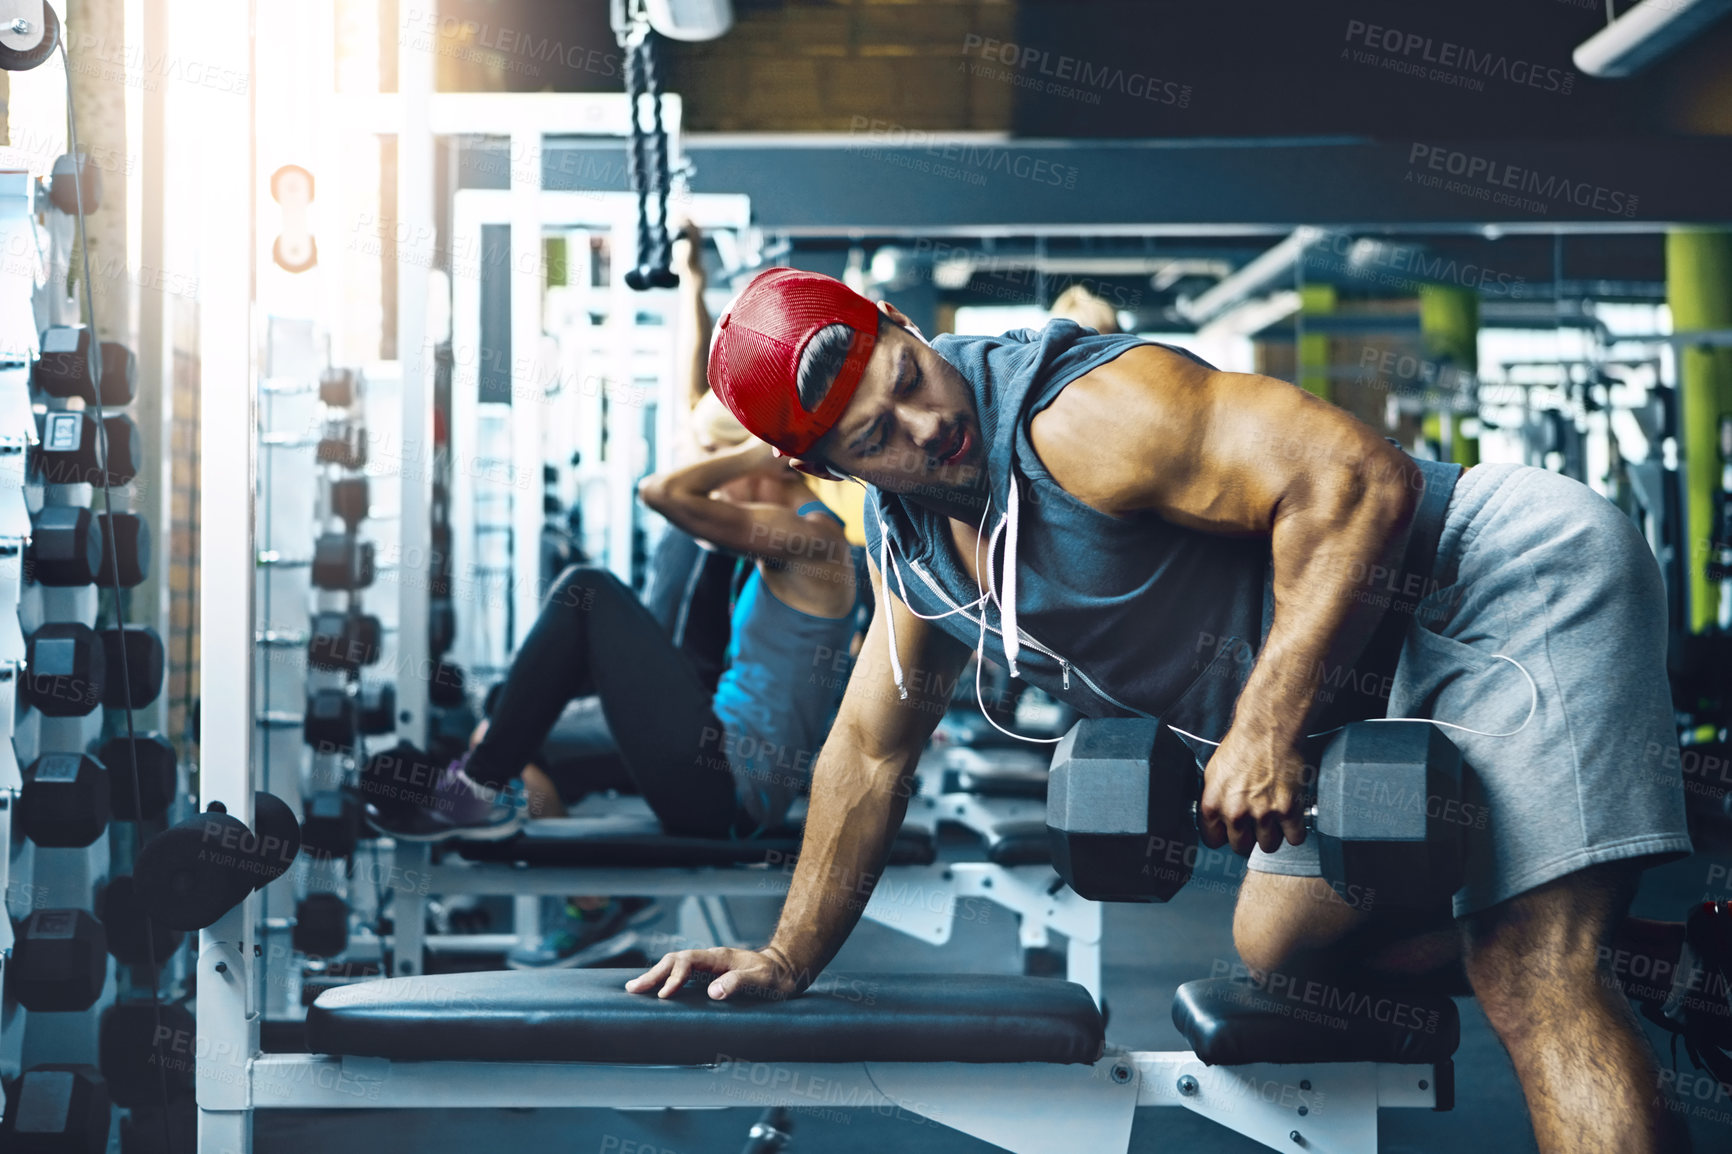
(1142, 534)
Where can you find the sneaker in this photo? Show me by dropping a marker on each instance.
(1699, 1009)
(584, 937)
(456, 807)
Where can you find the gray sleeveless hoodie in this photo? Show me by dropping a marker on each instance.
(1116, 616)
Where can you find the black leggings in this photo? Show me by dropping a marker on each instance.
(593, 636)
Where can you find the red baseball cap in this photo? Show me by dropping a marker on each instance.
(755, 355)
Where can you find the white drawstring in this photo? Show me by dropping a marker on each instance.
(1007, 611)
(886, 562)
(889, 616)
(1533, 704)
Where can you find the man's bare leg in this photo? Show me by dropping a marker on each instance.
(1540, 966)
(1298, 925)
(1540, 972)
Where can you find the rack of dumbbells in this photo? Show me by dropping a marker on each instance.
(74, 1039)
(317, 643)
(342, 710)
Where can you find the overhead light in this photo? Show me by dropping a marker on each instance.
(1362, 253)
(1260, 273)
(1250, 317)
(953, 273)
(1177, 269)
(886, 266)
(690, 19)
(1644, 34)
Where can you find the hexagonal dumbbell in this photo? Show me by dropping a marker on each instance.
(72, 448)
(344, 641)
(342, 563)
(66, 670)
(57, 1108)
(1120, 804)
(321, 925)
(1389, 816)
(66, 369)
(350, 500)
(331, 722)
(65, 547)
(60, 961)
(70, 546)
(1390, 819)
(65, 802)
(338, 387)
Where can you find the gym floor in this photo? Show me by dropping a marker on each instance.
(1148, 952)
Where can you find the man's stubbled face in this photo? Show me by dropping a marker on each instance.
(911, 427)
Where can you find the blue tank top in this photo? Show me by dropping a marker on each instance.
(785, 674)
(1117, 616)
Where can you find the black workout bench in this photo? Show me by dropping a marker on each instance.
(1018, 1062)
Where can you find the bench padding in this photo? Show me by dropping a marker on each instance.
(587, 1016)
(996, 772)
(1232, 1023)
(637, 840)
(1019, 843)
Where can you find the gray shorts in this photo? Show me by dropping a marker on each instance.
(1542, 569)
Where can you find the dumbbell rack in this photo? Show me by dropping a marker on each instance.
(17, 435)
(327, 669)
(62, 688)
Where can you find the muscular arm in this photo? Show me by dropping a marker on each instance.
(1244, 454)
(860, 787)
(691, 341)
(692, 321)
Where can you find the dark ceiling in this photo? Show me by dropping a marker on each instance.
(1268, 70)
(1256, 68)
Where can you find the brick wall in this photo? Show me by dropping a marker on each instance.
(182, 640)
(786, 66)
(814, 66)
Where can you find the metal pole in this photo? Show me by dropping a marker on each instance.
(414, 259)
(228, 463)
